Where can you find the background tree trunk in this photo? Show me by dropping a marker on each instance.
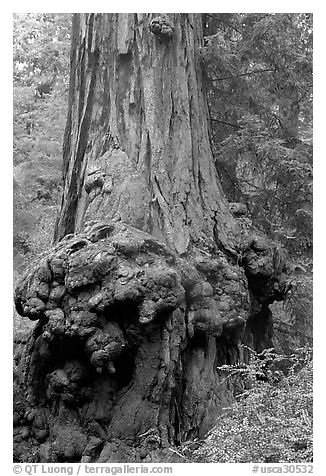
(153, 282)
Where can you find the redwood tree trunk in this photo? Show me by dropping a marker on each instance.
(153, 282)
(137, 131)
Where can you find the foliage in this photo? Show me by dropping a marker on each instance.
(259, 80)
(270, 422)
(41, 47)
(258, 71)
(293, 317)
(41, 44)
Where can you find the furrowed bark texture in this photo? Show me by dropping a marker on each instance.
(154, 280)
(141, 141)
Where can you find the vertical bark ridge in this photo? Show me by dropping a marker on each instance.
(155, 95)
(83, 82)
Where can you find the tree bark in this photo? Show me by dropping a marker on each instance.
(153, 282)
(141, 139)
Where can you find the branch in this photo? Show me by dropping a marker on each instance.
(216, 35)
(252, 185)
(234, 182)
(234, 28)
(227, 123)
(271, 113)
(257, 71)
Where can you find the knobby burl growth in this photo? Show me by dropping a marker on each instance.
(122, 319)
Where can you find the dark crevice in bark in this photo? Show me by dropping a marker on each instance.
(160, 190)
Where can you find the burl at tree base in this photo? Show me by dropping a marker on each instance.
(156, 280)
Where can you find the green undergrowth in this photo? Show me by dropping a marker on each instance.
(271, 421)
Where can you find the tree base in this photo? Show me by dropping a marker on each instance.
(123, 362)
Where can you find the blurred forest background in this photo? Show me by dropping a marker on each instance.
(258, 75)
